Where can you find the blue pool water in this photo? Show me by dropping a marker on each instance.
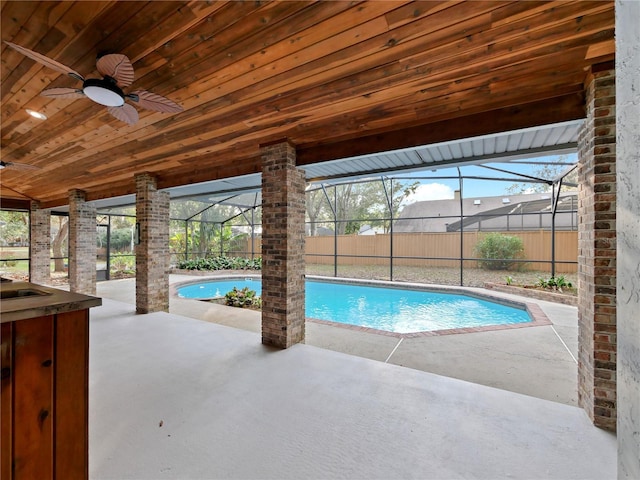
(390, 309)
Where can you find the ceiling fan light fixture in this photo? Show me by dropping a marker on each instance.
(34, 114)
(117, 73)
(103, 92)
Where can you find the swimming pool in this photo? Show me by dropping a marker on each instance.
(381, 308)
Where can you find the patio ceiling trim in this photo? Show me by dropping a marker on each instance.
(555, 139)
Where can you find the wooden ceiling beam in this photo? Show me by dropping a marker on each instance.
(10, 203)
(184, 176)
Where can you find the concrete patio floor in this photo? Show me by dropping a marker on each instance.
(175, 397)
(538, 361)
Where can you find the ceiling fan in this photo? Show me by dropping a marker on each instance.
(117, 73)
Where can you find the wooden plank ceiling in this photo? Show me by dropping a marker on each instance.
(336, 78)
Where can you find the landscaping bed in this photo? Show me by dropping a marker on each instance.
(532, 291)
(209, 273)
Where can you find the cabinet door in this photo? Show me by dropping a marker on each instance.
(32, 387)
(72, 395)
(45, 397)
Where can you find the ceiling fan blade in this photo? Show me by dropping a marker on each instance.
(126, 113)
(152, 101)
(118, 67)
(18, 166)
(46, 61)
(63, 93)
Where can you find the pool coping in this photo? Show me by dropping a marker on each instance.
(537, 315)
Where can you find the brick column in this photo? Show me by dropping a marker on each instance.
(597, 251)
(82, 244)
(152, 254)
(283, 209)
(40, 244)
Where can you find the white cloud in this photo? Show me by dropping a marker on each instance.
(430, 191)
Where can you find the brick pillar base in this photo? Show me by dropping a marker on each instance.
(283, 210)
(152, 254)
(40, 244)
(82, 244)
(597, 252)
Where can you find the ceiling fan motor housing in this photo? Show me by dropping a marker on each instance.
(103, 91)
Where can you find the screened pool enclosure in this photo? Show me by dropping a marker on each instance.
(426, 227)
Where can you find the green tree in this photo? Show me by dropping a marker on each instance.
(549, 171)
(349, 206)
(208, 224)
(14, 227)
(355, 204)
(120, 239)
(317, 206)
(59, 243)
(393, 193)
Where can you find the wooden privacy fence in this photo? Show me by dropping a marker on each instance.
(432, 249)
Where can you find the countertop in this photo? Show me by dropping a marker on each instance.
(48, 301)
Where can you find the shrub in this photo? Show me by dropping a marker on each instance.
(498, 251)
(244, 298)
(10, 262)
(125, 264)
(555, 283)
(221, 263)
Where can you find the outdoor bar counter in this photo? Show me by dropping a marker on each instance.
(45, 380)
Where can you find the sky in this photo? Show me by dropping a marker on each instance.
(441, 188)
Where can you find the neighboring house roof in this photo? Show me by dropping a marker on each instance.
(487, 213)
(320, 231)
(367, 229)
